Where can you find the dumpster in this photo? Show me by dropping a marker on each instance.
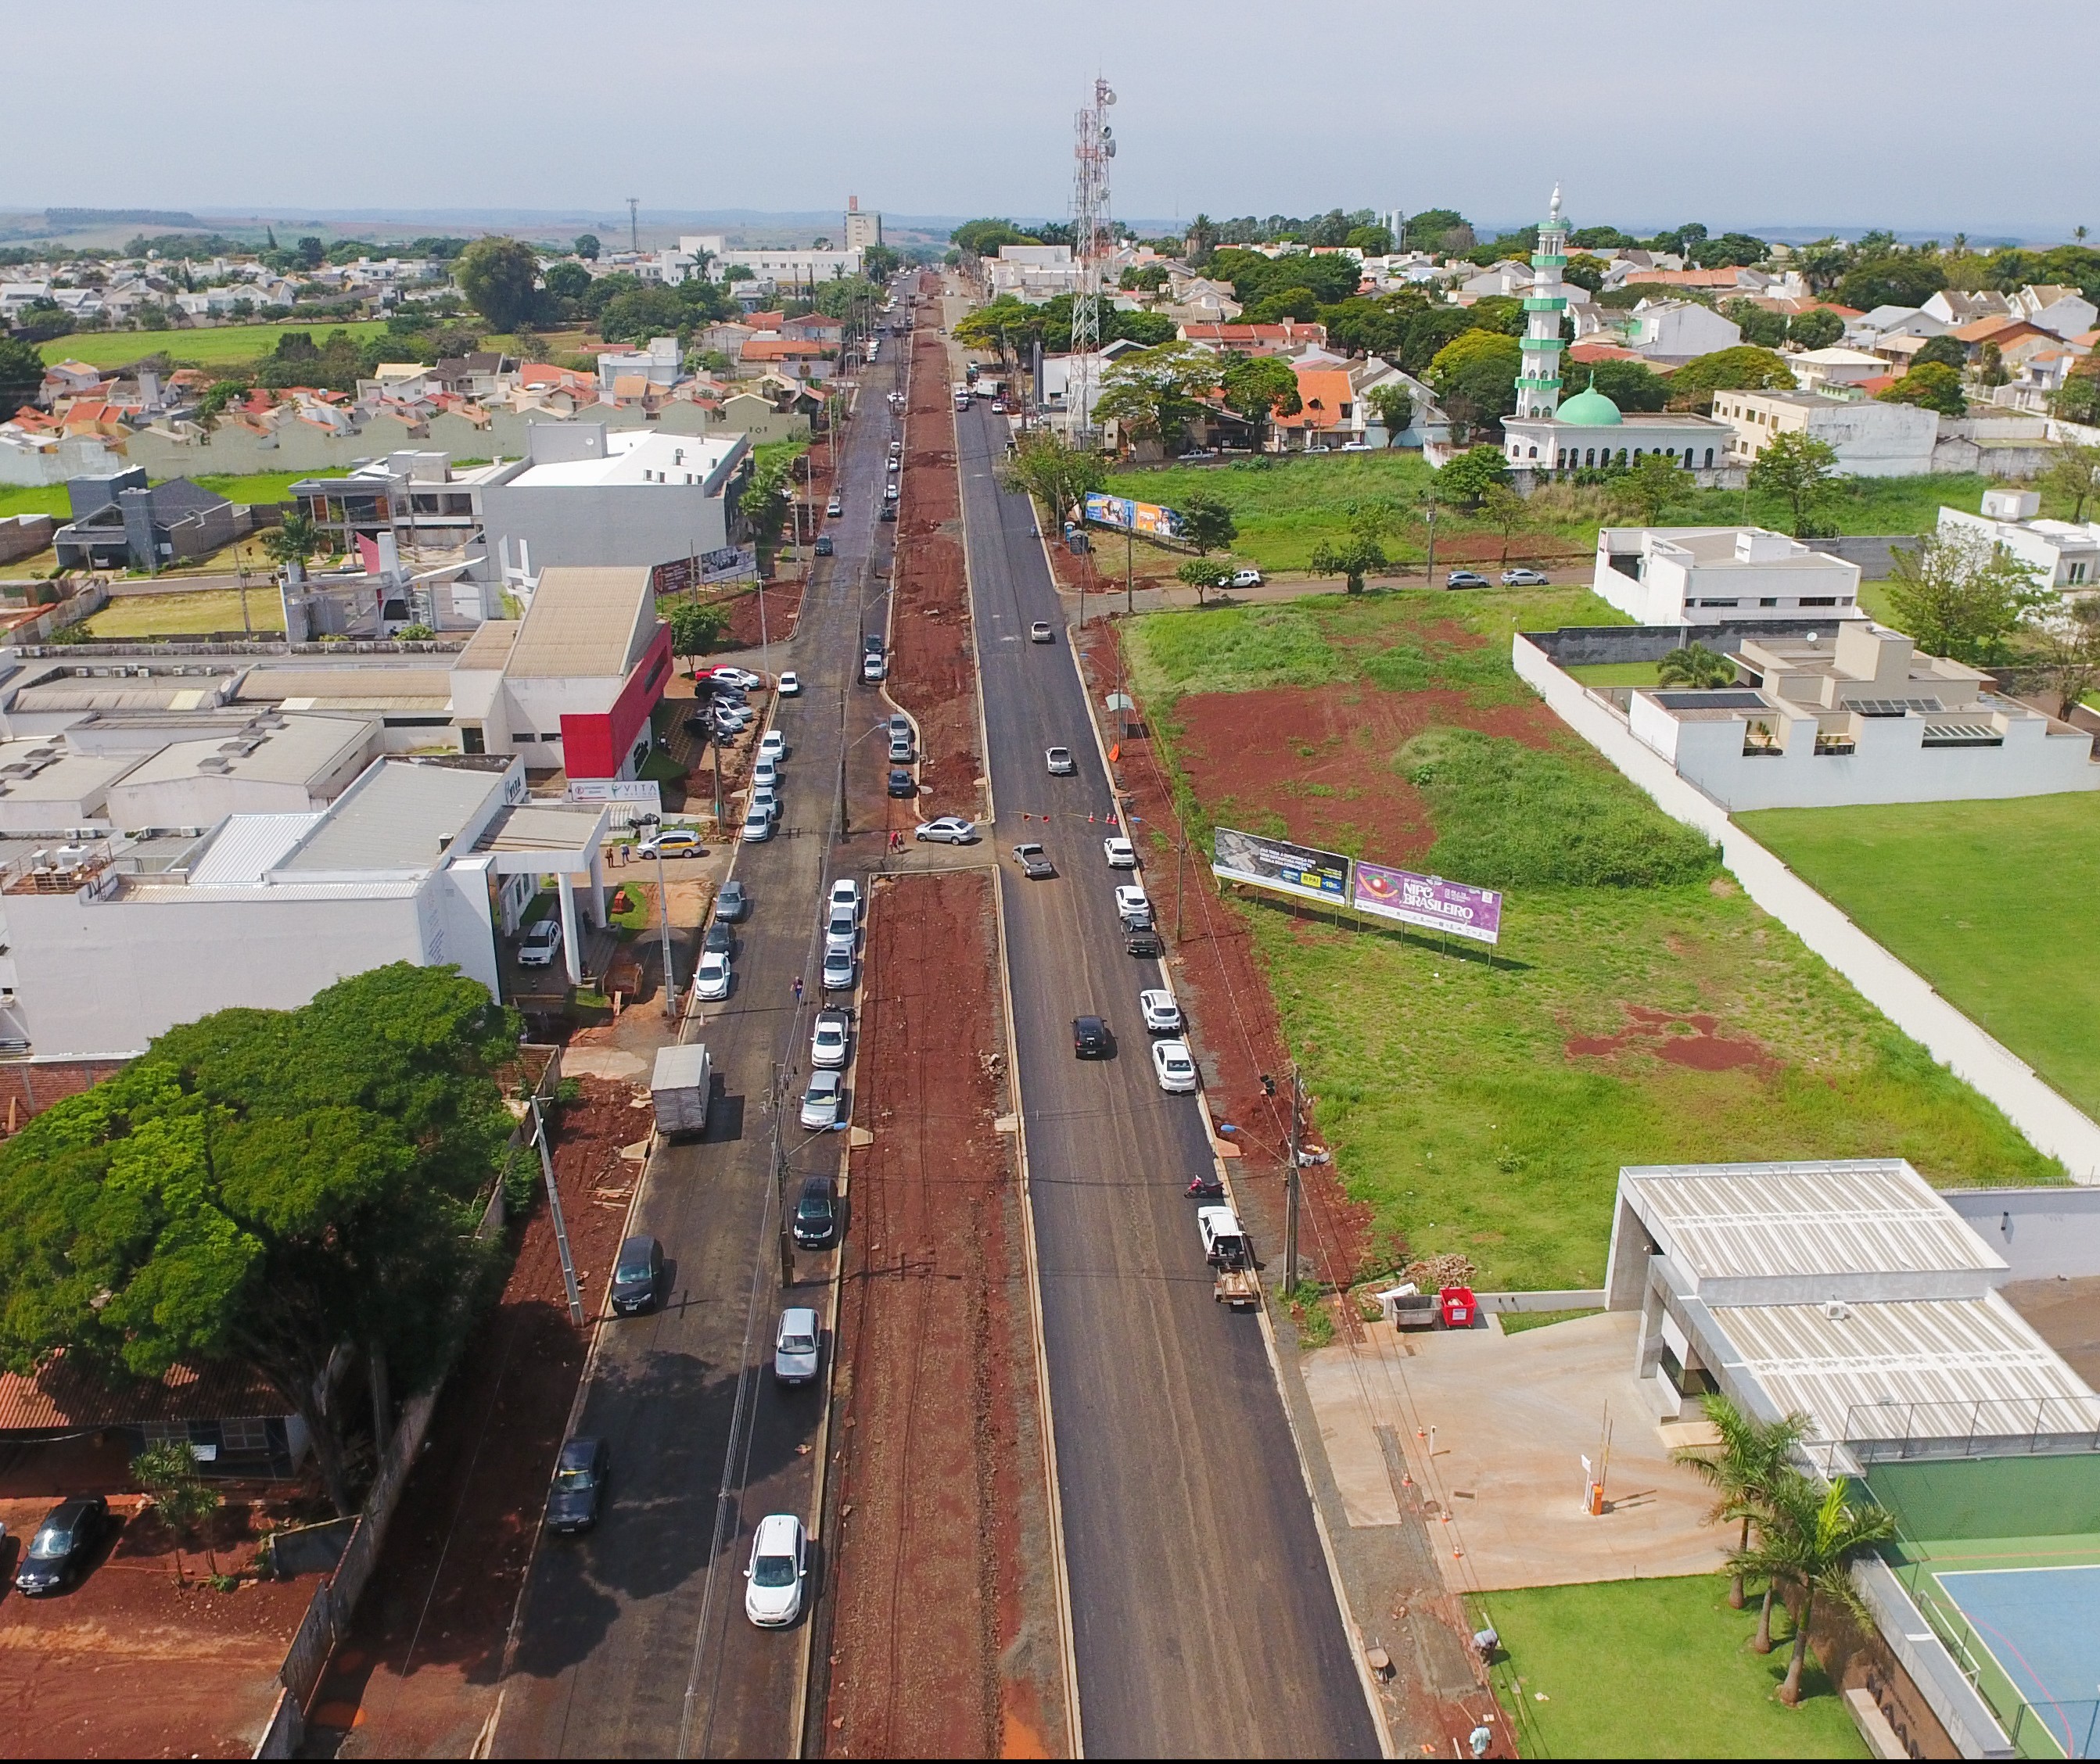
(1459, 1307)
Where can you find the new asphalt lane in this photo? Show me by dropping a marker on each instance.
(1204, 1620)
(632, 1641)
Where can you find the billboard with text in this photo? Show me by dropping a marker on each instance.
(1428, 901)
(1125, 516)
(1304, 871)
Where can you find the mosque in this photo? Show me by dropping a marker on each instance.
(1546, 437)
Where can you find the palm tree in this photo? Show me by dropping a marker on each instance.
(1695, 665)
(1753, 1457)
(1810, 1546)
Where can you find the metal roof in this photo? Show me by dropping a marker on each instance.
(305, 750)
(245, 848)
(544, 829)
(1760, 1221)
(585, 624)
(352, 683)
(489, 648)
(398, 815)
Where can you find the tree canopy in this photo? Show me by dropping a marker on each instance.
(1475, 376)
(982, 238)
(1930, 384)
(498, 277)
(1466, 481)
(1745, 367)
(265, 1187)
(1962, 595)
(1153, 393)
(1803, 473)
(1259, 388)
(1058, 476)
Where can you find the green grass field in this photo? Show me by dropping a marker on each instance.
(1657, 1669)
(141, 616)
(246, 486)
(1603, 674)
(215, 346)
(1989, 901)
(1445, 1081)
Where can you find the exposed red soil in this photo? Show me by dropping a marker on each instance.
(416, 1674)
(932, 666)
(941, 1642)
(783, 607)
(1683, 1038)
(129, 1664)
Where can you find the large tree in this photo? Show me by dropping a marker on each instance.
(1803, 473)
(1818, 328)
(497, 276)
(1467, 480)
(1648, 488)
(1745, 367)
(1152, 395)
(1753, 1456)
(1395, 405)
(1808, 1543)
(1058, 476)
(21, 373)
(1962, 595)
(1931, 386)
(1475, 376)
(1207, 524)
(2073, 473)
(1259, 388)
(2067, 648)
(271, 1187)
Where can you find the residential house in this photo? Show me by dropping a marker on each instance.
(1722, 282)
(2065, 554)
(658, 365)
(1501, 279)
(1283, 337)
(1869, 329)
(814, 327)
(1670, 332)
(1955, 306)
(1033, 273)
(2063, 311)
(2000, 328)
(69, 379)
(724, 338)
(119, 523)
(787, 355)
(1822, 370)
(483, 375)
(1709, 576)
(1330, 414)
(1871, 439)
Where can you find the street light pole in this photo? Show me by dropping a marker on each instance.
(664, 894)
(1290, 1186)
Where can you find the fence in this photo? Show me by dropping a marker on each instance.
(1875, 1432)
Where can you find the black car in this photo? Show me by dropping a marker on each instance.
(1145, 943)
(717, 941)
(636, 1275)
(817, 1213)
(1091, 1039)
(888, 512)
(733, 902)
(59, 1548)
(578, 1486)
(901, 783)
(871, 643)
(823, 544)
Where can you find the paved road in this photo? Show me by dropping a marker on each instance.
(632, 1642)
(1204, 1622)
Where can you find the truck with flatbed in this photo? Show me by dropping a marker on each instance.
(1231, 1257)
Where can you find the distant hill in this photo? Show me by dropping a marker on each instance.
(72, 219)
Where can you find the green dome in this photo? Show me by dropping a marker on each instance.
(1589, 410)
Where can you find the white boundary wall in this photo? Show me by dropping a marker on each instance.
(2051, 1123)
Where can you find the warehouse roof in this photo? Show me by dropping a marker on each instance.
(584, 623)
(400, 815)
(276, 750)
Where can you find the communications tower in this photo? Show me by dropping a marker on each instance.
(1093, 146)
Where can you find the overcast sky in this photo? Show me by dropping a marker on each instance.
(1790, 112)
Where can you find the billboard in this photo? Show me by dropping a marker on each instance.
(1129, 517)
(1428, 901)
(1276, 863)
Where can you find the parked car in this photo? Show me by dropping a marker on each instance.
(1246, 579)
(577, 1493)
(1172, 1066)
(779, 1563)
(766, 772)
(541, 943)
(874, 670)
(712, 979)
(742, 676)
(1465, 579)
(821, 1101)
(816, 1212)
(901, 783)
(1120, 853)
(900, 750)
(637, 1273)
(824, 548)
(60, 1547)
(1525, 578)
(1357, 447)
(889, 490)
(888, 511)
(790, 685)
(765, 797)
(795, 1345)
(1133, 909)
(1163, 1014)
(947, 829)
(1091, 1039)
(718, 940)
(757, 826)
(846, 889)
(773, 745)
(733, 902)
(1059, 760)
(829, 1039)
(835, 508)
(671, 842)
(1035, 862)
(1144, 943)
(837, 973)
(1040, 631)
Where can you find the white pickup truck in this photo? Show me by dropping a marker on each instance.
(1226, 1249)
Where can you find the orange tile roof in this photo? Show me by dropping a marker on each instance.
(763, 321)
(1994, 328)
(778, 349)
(1595, 351)
(1687, 278)
(1327, 387)
(61, 1396)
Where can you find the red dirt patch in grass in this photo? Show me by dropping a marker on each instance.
(1660, 1032)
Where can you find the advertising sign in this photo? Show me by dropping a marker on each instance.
(1428, 901)
(1276, 863)
(1126, 516)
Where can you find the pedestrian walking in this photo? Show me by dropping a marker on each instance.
(798, 989)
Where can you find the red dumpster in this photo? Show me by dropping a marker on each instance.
(1459, 1307)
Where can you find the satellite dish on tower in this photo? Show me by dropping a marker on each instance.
(1108, 97)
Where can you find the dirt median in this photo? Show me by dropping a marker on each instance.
(943, 1634)
(417, 1674)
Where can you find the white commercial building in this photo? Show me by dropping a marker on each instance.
(113, 942)
(1870, 439)
(1696, 575)
(786, 267)
(1857, 716)
(1815, 369)
(2065, 554)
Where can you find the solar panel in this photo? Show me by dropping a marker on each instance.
(1892, 707)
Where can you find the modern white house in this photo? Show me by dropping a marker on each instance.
(1871, 439)
(1670, 332)
(2065, 554)
(1696, 575)
(1857, 715)
(1817, 370)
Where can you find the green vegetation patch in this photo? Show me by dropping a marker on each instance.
(1517, 1322)
(207, 610)
(1991, 902)
(1574, 1652)
(210, 346)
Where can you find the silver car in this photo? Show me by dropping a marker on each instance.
(820, 1102)
(795, 1346)
(828, 1038)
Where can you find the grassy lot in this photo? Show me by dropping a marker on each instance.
(1517, 1322)
(246, 486)
(185, 614)
(1448, 1083)
(211, 347)
(1654, 1668)
(1601, 674)
(1990, 901)
(35, 499)
(1284, 507)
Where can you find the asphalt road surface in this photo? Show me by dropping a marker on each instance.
(632, 1641)
(1204, 1620)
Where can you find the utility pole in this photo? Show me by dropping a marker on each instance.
(554, 1212)
(1129, 564)
(780, 1179)
(1291, 1184)
(634, 224)
(1430, 568)
(1181, 870)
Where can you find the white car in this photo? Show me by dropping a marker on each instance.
(765, 797)
(779, 1563)
(1059, 760)
(795, 1346)
(773, 745)
(1162, 1015)
(1172, 1066)
(740, 677)
(757, 825)
(790, 685)
(1246, 579)
(874, 669)
(820, 1102)
(838, 972)
(1040, 631)
(711, 980)
(840, 920)
(1121, 854)
(766, 773)
(835, 508)
(845, 889)
(827, 1042)
(1133, 908)
(671, 842)
(947, 829)
(541, 944)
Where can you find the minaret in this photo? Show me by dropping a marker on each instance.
(1538, 380)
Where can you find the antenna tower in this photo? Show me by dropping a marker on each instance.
(634, 224)
(1093, 146)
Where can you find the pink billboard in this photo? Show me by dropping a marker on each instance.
(1428, 901)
